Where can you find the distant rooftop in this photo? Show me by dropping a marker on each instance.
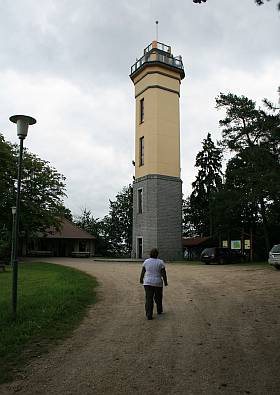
(68, 231)
(156, 53)
(194, 241)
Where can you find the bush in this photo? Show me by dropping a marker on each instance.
(5, 250)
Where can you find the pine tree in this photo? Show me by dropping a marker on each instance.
(206, 184)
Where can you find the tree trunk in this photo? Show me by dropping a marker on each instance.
(264, 221)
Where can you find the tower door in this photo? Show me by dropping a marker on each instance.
(139, 249)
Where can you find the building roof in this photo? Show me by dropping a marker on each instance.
(194, 241)
(69, 231)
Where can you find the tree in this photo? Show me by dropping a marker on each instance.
(114, 231)
(258, 2)
(119, 222)
(188, 227)
(252, 175)
(248, 126)
(7, 180)
(42, 191)
(274, 126)
(261, 2)
(197, 210)
(87, 222)
(95, 227)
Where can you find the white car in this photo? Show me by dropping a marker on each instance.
(274, 256)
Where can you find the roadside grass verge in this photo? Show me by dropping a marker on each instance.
(52, 300)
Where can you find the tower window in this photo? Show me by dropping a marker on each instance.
(141, 110)
(141, 151)
(139, 247)
(140, 201)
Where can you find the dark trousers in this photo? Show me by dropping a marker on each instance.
(153, 294)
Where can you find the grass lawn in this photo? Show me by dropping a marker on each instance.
(52, 300)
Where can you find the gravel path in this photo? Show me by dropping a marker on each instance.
(219, 334)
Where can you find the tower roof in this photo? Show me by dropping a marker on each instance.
(158, 54)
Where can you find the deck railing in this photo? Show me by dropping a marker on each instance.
(157, 57)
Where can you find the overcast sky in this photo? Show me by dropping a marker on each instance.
(67, 63)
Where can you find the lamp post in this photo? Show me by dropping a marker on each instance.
(14, 210)
(22, 122)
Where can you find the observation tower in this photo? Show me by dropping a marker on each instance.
(157, 188)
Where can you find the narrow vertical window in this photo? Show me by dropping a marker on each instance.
(139, 247)
(141, 151)
(141, 110)
(140, 201)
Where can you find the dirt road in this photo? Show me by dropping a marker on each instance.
(219, 334)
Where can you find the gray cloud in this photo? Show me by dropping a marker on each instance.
(67, 63)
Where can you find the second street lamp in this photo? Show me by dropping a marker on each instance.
(22, 121)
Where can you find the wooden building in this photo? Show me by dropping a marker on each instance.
(69, 241)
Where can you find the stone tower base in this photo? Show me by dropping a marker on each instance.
(160, 222)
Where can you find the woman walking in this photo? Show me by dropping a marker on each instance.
(152, 274)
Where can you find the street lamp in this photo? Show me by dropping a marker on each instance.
(22, 121)
(14, 210)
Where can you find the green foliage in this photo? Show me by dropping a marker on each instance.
(4, 250)
(255, 172)
(188, 227)
(249, 198)
(8, 171)
(245, 125)
(87, 222)
(119, 222)
(114, 231)
(95, 227)
(52, 300)
(251, 190)
(66, 213)
(42, 194)
(197, 208)
(42, 191)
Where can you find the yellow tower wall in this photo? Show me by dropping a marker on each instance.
(160, 89)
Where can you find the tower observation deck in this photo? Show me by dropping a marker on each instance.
(158, 54)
